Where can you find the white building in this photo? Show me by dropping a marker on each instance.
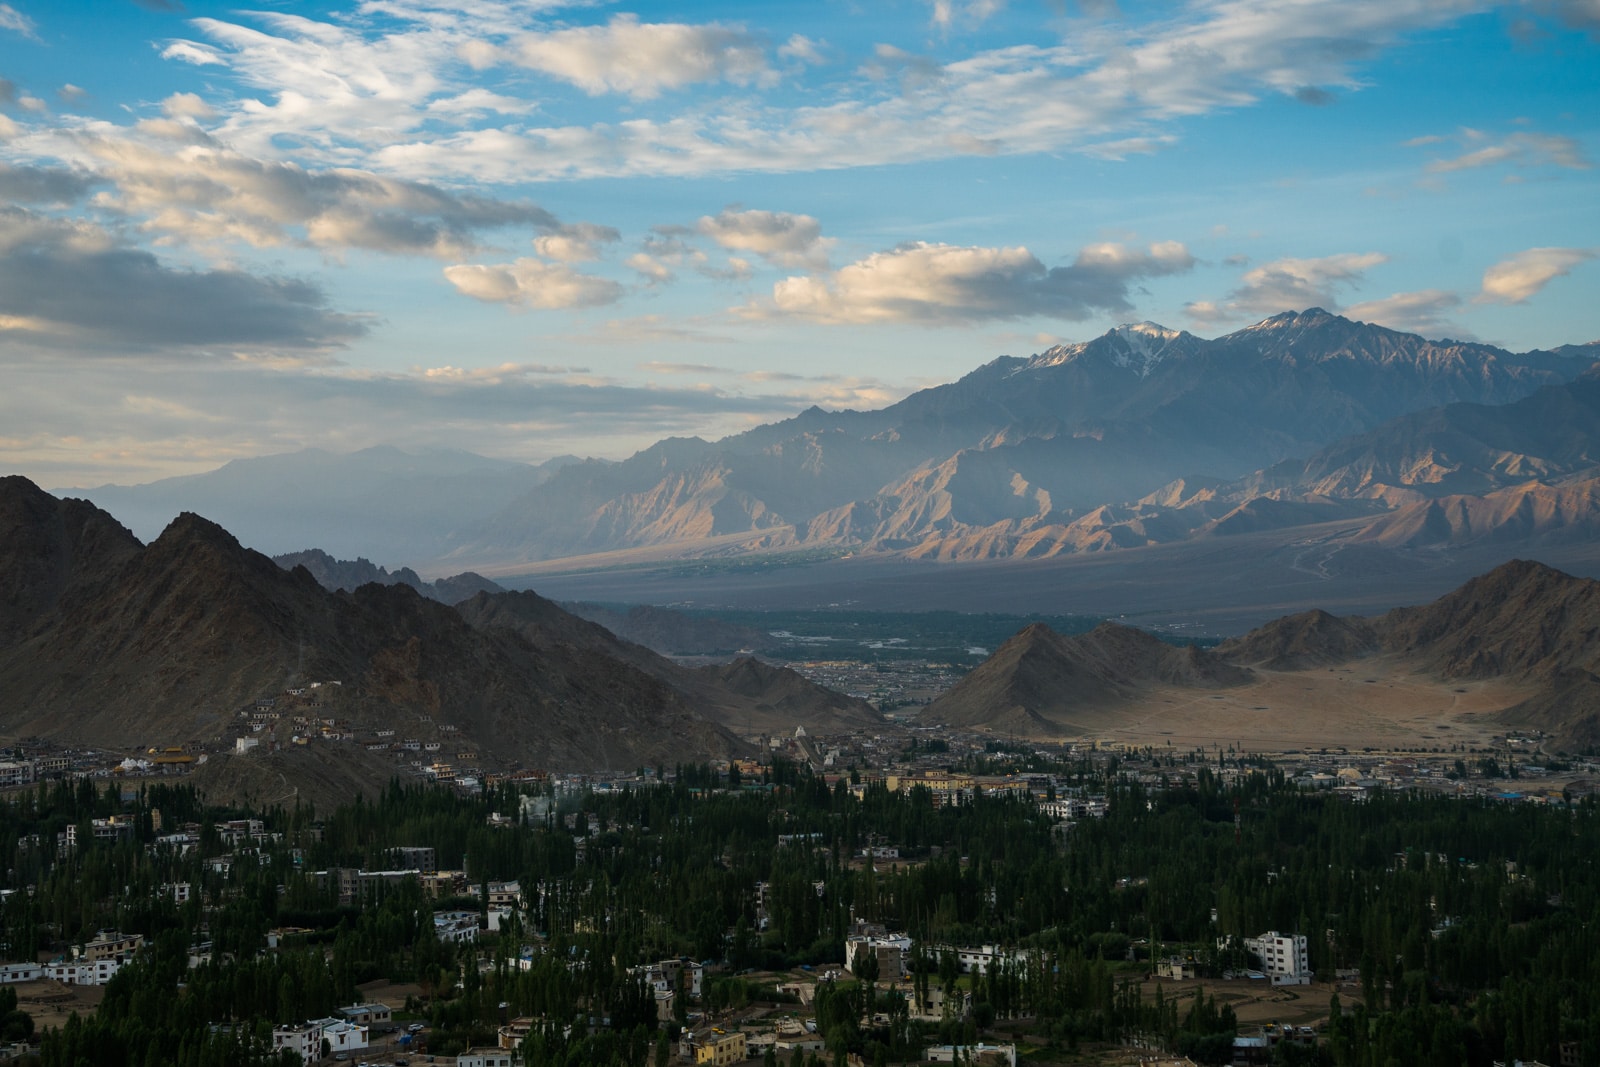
(82, 971)
(485, 1057)
(982, 958)
(1283, 957)
(20, 972)
(457, 927)
(307, 1038)
(974, 1054)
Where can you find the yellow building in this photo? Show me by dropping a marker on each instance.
(719, 1048)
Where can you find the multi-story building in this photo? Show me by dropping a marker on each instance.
(309, 1038)
(891, 951)
(718, 1048)
(1283, 957)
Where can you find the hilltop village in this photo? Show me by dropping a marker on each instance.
(859, 898)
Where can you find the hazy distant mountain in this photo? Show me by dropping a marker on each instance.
(112, 643)
(1037, 456)
(348, 574)
(381, 503)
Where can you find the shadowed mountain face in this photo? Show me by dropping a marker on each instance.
(346, 574)
(745, 695)
(111, 643)
(1036, 457)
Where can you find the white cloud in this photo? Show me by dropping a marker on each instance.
(533, 284)
(15, 21)
(576, 243)
(947, 285)
(1420, 312)
(643, 59)
(776, 236)
(654, 270)
(802, 49)
(206, 193)
(1295, 284)
(1515, 280)
(187, 106)
(945, 13)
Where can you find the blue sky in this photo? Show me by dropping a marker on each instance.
(533, 228)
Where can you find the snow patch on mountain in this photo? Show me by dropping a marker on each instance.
(1138, 346)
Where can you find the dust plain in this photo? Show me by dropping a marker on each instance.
(1371, 703)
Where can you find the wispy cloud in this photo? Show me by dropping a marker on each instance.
(16, 22)
(1523, 149)
(368, 96)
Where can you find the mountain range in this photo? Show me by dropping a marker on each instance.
(107, 642)
(1142, 436)
(1524, 624)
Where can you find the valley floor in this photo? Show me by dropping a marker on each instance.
(1211, 588)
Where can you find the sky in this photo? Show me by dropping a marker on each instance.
(536, 228)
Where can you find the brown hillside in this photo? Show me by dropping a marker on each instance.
(1296, 642)
(1041, 675)
(168, 642)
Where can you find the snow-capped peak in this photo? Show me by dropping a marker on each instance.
(1138, 346)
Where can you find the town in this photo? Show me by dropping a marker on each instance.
(905, 896)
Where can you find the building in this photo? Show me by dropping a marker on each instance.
(456, 927)
(20, 972)
(16, 772)
(485, 1057)
(982, 958)
(1283, 957)
(415, 858)
(987, 1055)
(891, 950)
(368, 1015)
(110, 945)
(82, 972)
(719, 1047)
(309, 1038)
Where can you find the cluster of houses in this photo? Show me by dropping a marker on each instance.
(92, 963)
